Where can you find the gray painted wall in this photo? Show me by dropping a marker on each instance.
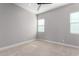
(57, 25)
(16, 25)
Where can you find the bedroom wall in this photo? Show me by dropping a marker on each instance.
(57, 25)
(16, 25)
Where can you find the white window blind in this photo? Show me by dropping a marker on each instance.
(74, 22)
(41, 24)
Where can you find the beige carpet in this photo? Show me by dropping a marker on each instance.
(40, 48)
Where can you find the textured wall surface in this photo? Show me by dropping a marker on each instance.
(16, 25)
(57, 25)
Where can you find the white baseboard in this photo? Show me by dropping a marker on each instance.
(15, 45)
(68, 45)
(18, 44)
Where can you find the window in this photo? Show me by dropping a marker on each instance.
(74, 22)
(41, 23)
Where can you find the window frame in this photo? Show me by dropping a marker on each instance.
(41, 25)
(74, 22)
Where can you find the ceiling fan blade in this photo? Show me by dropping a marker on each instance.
(39, 5)
(43, 3)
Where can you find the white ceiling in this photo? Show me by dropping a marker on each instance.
(32, 7)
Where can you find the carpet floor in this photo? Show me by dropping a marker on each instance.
(40, 48)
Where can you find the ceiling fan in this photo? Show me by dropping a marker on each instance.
(40, 4)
